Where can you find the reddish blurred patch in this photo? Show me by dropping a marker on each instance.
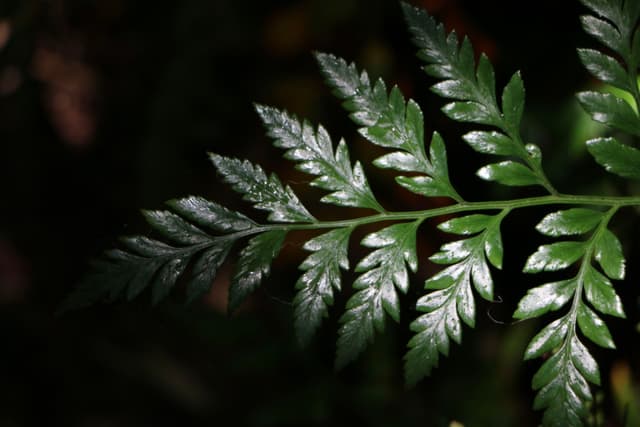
(14, 280)
(286, 31)
(70, 91)
(5, 33)
(452, 15)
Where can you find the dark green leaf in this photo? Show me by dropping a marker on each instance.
(347, 84)
(513, 101)
(493, 245)
(205, 269)
(631, 12)
(396, 124)
(465, 225)
(313, 150)
(172, 227)
(569, 222)
(635, 48)
(615, 157)
(266, 193)
(211, 215)
(166, 278)
(508, 173)
(396, 244)
(470, 111)
(364, 315)
(593, 327)
(491, 143)
(605, 33)
(458, 250)
(605, 8)
(562, 388)
(398, 160)
(383, 270)
(455, 89)
(547, 339)
(440, 324)
(254, 265)
(321, 276)
(482, 277)
(542, 299)
(604, 68)
(486, 78)
(584, 361)
(555, 256)
(608, 252)
(600, 293)
(610, 110)
(142, 245)
(425, 186)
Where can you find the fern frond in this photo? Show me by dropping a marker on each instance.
(452, 299)
(383, 271)
(391, 122)
(313, 151)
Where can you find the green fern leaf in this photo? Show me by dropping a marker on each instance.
(473, 88)
(615, 157)
(452, 300)
(609, 255)
(321, 276)
(391, 122)
(254, 265)
(383, 270)
(210, 215)
(266, 193)
(600, 293)
(314, 152)
(562, 388)
(610, 110)
(545, 298)
(605, 68)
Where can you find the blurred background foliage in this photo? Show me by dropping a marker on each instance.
(107, 106)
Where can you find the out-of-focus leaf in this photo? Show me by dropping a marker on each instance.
(610, 110)
(604, 68)
(616, 157)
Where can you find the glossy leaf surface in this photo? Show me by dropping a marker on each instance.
(545, 298)
(266, 193)
(391, 122)
(569, 222)
(254, 265)
(383, 271)
(473, 89)
(320, 278)
(452, 301)
(553, 257)
(610, 110)
(615, 157)
(313, 150)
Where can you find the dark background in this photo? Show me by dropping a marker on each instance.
(110, 106)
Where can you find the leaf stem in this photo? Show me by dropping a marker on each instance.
(614, 202)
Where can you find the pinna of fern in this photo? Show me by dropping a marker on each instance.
(195, 235)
